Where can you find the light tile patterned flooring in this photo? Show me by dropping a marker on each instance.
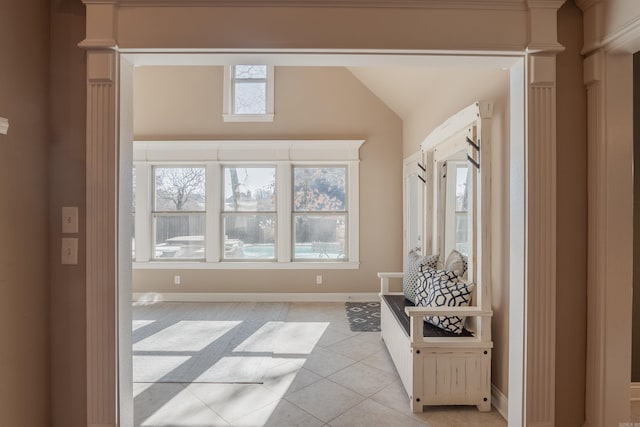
(314, 370)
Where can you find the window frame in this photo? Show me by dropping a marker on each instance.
(224, 213)
(155, 213)
(344, 212)
(215, 155)
(228, 94)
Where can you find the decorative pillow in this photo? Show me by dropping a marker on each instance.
(441, 291)
(457, 262)
(415, 265)
(432, 261)
(424, 278)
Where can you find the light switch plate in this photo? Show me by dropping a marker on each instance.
(69, 250)
(70, 219)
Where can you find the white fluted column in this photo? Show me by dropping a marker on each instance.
(594, 398)
(101, 238)
(541, 242)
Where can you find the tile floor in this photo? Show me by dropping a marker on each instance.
(294, 364)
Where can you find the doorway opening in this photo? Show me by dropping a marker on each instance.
(365, 64)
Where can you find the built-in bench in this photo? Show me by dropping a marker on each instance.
(398, 303)
(436, 367)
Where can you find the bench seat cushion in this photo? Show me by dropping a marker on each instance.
(397, 303)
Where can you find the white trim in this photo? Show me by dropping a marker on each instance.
(353, 211)
(456, 123)
(517, 221)
(228, 101)
(244, 265)
(284, 244)
(504, 58)
(125, 221)
(255, 150)
(151, 297)
(396, 4)
(213, 184)
(635, 392)
(244, 118)
(499, 401)
(143, 213)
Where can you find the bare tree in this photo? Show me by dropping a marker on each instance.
(180, 188)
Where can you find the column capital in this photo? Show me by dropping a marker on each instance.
(100, 24)
(543, 26)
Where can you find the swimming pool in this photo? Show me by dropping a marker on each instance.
(302, 251)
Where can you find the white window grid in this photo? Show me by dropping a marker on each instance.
(214, 155)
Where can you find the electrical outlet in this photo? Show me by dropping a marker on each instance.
(319, 279)
(176, 280)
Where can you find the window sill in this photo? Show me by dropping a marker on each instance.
(243, 118)
(239, 265)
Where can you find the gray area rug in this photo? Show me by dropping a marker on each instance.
(363, 316)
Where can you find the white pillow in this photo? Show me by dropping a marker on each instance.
(413, 269)
(456, 262)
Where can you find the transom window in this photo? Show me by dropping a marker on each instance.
(248, 93)
(268, 204)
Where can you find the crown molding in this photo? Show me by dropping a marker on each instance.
(545, 4)
(388, 4)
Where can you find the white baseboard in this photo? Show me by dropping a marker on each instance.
(149, 297)
(635, 391)
(499, 401)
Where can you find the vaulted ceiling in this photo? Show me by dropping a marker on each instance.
(407, 90)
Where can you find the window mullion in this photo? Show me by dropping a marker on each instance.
(213, 223)
(284, 211)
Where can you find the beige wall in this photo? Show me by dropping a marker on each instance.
(24, 286)
(320, 28)
(67, 188)
(448, 98)
(571, 288)
(500, 244)
(619, 13)
(310, 103)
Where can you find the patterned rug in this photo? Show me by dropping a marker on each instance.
(363, 316)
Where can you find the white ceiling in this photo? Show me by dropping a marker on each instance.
(408, 89)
